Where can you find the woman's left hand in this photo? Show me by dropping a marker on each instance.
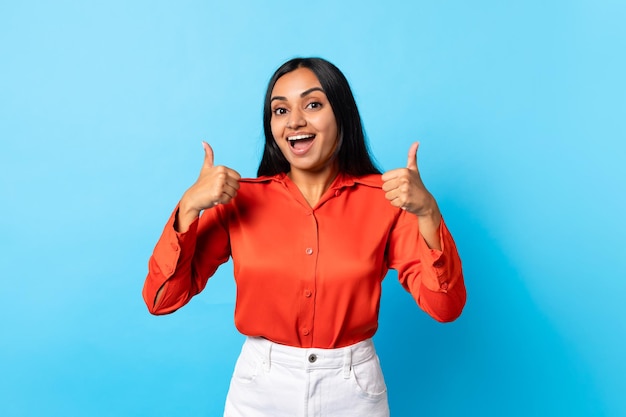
(404, 188)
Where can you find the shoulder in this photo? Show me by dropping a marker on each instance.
(253, 189)
(371, 180)
(261, 182)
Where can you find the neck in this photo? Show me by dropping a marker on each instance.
(313, 185)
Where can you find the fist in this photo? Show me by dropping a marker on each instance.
(215, 185)
(404, 188)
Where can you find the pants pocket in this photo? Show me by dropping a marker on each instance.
(368, 380)
(247, 367)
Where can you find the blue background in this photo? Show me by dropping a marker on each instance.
(519, 106)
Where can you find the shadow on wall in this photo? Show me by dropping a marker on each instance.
(502, 357)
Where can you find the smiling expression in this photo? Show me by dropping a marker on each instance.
(303, 123)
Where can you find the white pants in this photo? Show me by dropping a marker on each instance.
(272, 380)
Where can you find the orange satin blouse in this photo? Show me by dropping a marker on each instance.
(307, 276)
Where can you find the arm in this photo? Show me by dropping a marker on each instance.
(192, 247)
(433, 277)
(421, 247)
(182, 263)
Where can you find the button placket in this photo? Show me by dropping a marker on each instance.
(308, 248)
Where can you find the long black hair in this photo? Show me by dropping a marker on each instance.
(353, 156)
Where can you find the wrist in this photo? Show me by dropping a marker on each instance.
(185, 216)
(429, 210)
(186, 208)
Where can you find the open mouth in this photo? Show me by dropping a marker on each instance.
(300, 142)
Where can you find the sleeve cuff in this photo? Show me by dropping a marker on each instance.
(173, 243)
(436, 261)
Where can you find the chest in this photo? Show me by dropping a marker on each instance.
(347, 232)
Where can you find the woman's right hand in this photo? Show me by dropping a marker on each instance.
(215, 185)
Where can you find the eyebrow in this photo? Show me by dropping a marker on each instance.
(303, 94)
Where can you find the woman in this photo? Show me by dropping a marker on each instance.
(311, 240)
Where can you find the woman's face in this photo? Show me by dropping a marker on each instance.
(303, 123)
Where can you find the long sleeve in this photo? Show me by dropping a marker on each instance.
(182, 263)
(433, 277)
(306, 276)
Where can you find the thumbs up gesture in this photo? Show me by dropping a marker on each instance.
(215, 185)
(404, 188)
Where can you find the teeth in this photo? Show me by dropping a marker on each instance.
(299, 137)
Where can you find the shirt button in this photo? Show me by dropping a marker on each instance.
(337, 192)
(444, 286)
(309, 251)
(308, 293)
(305, 332)
(312, 358)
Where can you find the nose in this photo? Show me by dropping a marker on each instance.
(296, 119)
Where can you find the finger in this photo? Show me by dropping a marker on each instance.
(394, 173)
(391, 195)
(391, 184)
(230, 192)
(227, 194)
(397, 202)
(232, 183)
(208, 155)
(233, 174)
(412, 161)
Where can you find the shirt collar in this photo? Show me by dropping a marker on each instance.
(371, 180)
(342, 180)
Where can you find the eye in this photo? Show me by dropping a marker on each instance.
(279, 111)
(314, 105)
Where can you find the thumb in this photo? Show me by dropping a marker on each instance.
(208, 155)
(412, 161)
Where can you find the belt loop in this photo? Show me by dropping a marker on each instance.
(267, 353)
(347, 362)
